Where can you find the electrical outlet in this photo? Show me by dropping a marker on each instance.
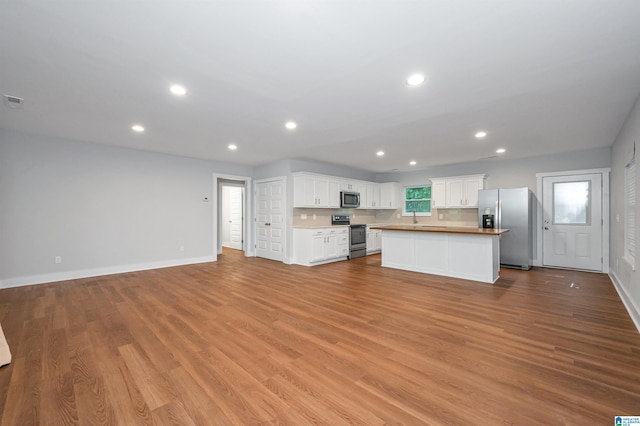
(314, 217)
(58, 259)
(398, 216)
(303, 216)
(440, 216)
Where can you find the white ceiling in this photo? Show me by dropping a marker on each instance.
(540, 76)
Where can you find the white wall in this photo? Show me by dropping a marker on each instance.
(627, 281)
(508, 173)
(102, 209)
(298, 165)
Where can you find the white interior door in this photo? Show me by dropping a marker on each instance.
(270, 224)
(225, 217)
(235, 217)
(572, 221)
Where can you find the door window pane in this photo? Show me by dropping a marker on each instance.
(571, 202)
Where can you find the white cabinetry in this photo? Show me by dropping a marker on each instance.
(314, 246)
(319, 191)
(390, 195)
(361, 188)
(438, 193)
(374, 240)
(347, 185)
(315, 191)
(373, 195)
(456, 192)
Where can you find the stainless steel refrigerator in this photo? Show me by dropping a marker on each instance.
(511, 209)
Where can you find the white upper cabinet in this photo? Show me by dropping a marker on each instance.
(361, 188)
(438, 193)
(315, 191)
(373, 195)
(390, 195)
(319, 191)
(456, 192)
(347, 185)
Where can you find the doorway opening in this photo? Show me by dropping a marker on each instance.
(232, 215)
(232, 229)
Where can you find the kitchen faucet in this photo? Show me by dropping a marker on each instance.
(415, 220)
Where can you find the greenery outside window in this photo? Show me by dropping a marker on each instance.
(417, 199)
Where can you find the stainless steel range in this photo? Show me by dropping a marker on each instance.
(358, 241)
(357, 236)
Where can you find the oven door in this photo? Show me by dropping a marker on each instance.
(358, 236)
(358, 241)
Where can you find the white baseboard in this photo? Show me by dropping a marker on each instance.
(95, 272)
(634, 312)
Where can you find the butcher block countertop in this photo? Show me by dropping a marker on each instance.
(446, 229)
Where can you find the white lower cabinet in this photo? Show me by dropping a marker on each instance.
(314, 246)
(374, 240)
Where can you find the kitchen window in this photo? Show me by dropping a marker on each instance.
(417, 200)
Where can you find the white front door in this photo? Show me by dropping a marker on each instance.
(572, 221)
(270, 219)
(235, 218)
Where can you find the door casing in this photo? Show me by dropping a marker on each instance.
(248, 207)
(605, 212)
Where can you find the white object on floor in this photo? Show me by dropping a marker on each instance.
(5, 353)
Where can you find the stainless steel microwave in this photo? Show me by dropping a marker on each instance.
(349, 199)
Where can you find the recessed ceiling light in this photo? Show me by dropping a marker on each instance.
(501, 150)
(176, 89)
(415, 80)
(232, 147)
(380, 153)
(412, 163)
(481, 135)
(290, 125)
(137, 128)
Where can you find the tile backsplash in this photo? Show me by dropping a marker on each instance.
(441, 217)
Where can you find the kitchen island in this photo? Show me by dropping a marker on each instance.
(460, 252)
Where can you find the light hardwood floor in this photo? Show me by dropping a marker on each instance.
(251, 341)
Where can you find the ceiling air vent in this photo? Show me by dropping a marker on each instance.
(13, 102)
(488, 158)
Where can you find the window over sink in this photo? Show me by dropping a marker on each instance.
(417, 200)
